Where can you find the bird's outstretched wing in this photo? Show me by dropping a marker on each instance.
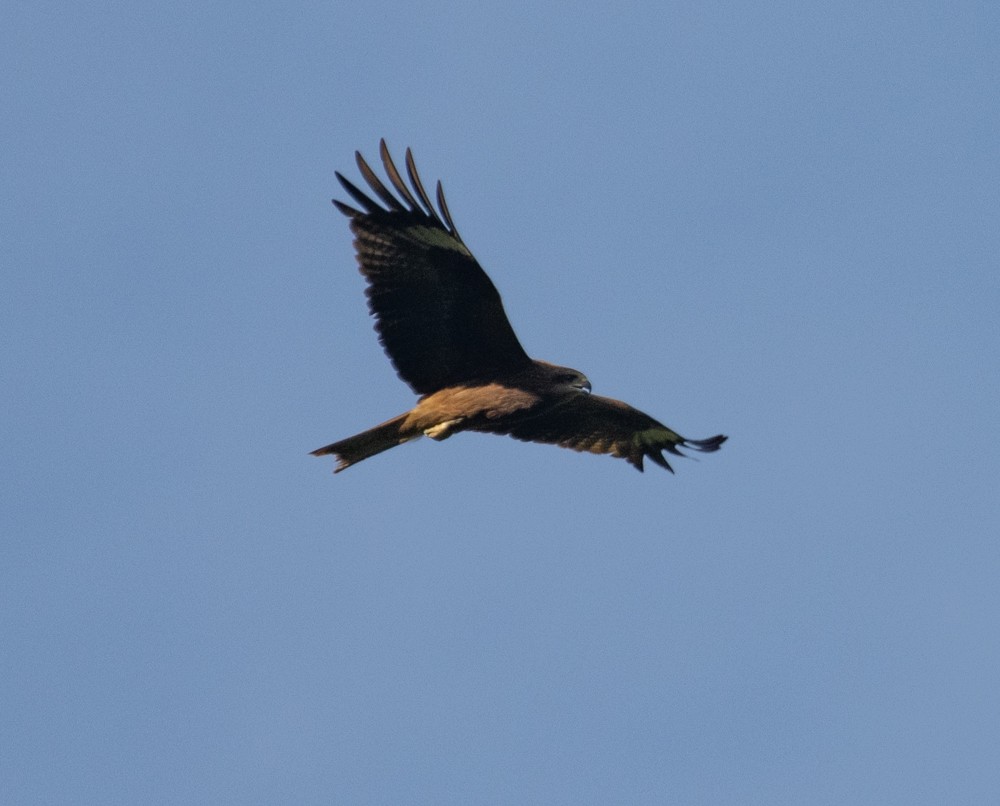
(438, 315)
(602, 425)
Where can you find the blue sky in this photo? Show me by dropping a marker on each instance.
(774, 220)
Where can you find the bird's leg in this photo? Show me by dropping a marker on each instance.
(442, 430)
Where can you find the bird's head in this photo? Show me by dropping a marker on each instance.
(563, 379)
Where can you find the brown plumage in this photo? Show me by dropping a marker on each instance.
(443, 326)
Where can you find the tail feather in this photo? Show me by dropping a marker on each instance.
(368, 443)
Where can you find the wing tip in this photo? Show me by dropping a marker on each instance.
(658, 458)
(709, 445)
(346, 209)
(415, 199)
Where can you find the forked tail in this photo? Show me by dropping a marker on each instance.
(368, 443)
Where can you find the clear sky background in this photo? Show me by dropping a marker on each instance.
(776, 220)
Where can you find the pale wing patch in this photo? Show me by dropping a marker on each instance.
(433, 236)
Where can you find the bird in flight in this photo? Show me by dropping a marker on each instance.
(443, 326)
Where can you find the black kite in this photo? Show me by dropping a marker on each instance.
(443, 326)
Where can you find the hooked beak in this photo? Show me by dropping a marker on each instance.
(583, 386)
